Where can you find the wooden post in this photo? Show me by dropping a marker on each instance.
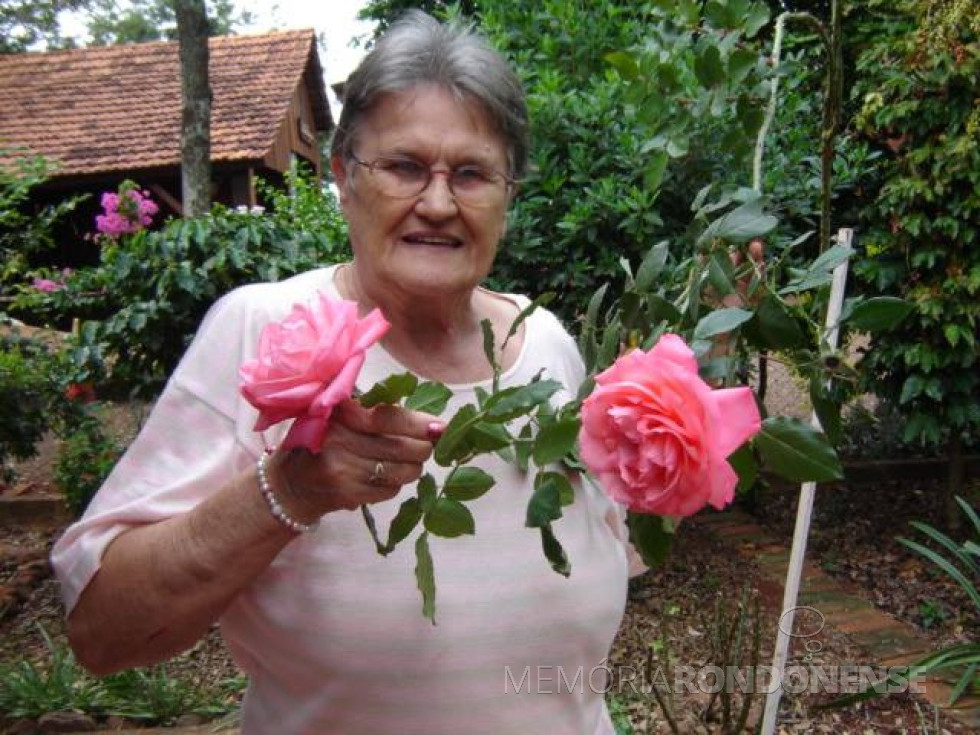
(804, 512)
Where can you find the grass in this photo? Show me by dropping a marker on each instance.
(150, 696)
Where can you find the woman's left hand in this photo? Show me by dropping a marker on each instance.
(366, 457)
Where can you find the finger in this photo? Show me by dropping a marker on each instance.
(388, 419)
(389, 474)
(379, 446)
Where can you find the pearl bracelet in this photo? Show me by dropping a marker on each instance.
(278, 512)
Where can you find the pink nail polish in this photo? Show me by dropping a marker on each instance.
(435, 429)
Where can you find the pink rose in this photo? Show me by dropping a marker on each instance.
(657, 436)
(307, 364)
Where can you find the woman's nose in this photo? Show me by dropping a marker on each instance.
(437, 199)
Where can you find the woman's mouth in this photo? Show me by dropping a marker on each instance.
(438, 241)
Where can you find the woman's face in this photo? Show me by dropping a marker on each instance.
(429, 244)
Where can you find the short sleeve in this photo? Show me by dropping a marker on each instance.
(196, 438)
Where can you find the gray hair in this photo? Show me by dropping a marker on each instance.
(419, 50)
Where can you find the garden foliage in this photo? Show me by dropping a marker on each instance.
(141, 305)
(150, 696)
(918, 87)
(635, 107)
(25, 231)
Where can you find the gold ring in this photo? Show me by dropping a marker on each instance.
(377, 477)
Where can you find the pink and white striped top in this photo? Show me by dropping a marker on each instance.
(332, 634)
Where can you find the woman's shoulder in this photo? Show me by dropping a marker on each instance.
(230, 330)
(274, 297)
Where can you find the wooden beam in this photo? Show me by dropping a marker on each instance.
(167, 198)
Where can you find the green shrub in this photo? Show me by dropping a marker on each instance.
(918, 87)
(25, 229)
(146, 298)
(86, 457)
(23, 407)
(634, 109)
(33, 400)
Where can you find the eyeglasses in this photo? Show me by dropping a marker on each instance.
(403, 177)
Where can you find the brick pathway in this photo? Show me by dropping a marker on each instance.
(888, 641)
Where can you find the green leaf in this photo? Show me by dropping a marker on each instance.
(390, 390)
(650, 537)
(425, 577)
(523, 447)
(624, 63)
(592, 312)
(797, 452)
(554, 552)
(774, 327)
(489, 350)
(827, 409)
(510, 403)
(449, 518)
(660, 309)
(427, 492)
(740, 63)
(756, 20)
(487, 437)
(624, 263)
(542, 300)
(408, 517)
(629, 304)
(656, 166)
(708, 67)
(720, 322)
(609, 347)
(545, 503)
(429, 397)
(743, 462)
(946, 566)
(745, 222)
(652, 266)
(820, 272)
(453, 444)
(879, 313)
(555, 440)
(566, 493)
(467, 483)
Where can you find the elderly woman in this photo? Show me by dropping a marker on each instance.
(430, 145)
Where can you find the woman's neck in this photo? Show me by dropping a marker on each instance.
(439, 336)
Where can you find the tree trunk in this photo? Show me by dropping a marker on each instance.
(954, 483)
(195, 132)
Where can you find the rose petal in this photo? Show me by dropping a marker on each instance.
(307, 432)
(741, 420)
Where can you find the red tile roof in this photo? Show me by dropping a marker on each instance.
(116, 108)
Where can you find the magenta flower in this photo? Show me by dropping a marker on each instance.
(125, 212)
(46, 285)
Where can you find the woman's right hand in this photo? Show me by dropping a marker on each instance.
(366, 457)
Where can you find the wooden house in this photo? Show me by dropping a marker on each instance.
(106, 114)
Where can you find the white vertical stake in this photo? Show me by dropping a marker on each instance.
(791, 589)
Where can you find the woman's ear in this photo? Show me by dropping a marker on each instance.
(339, 171)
